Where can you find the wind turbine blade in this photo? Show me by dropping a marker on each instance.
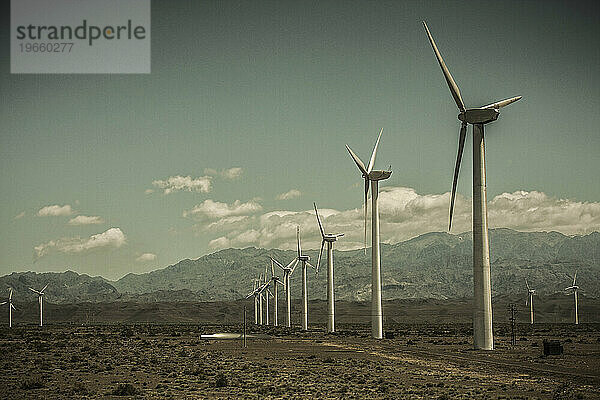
(310, 265)
(294, 267)
(451, 84)
(289, 266)
(374, 154)
(461, 146)
(35, 291)
(357, 160)
(320, 255)
(272, 269)
(337, 235)
(503, 103)
(298, 240)
(10, 293)
(319, 220)
(366, 206)
(574, 278)
(13, 307)
(277, 262)
(42, 291)
(527, 284)
(3, 303)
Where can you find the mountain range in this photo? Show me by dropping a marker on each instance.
(434, 265)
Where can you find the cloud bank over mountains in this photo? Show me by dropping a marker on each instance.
(404, 214)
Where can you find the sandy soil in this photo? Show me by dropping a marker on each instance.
(173, 361)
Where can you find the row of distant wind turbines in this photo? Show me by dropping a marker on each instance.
(482, 315)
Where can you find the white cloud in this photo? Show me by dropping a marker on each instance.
(55, 211)
(178, 183)
(146, 257)
(20, 215)
(211, 210)
(112, 238)
(291, 194)
(227, 173)
(219, 243)
(404, 214)
(85, 220)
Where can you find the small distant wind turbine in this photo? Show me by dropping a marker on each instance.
(275, 281)
(40, 294)
(328, 238)
(305, 261)
(530, 294)
(10, 306)
(257, 293)
(483, 337)
(254, 293)
(372, 178)
(287, 271)
(575, 290)
(261, 297)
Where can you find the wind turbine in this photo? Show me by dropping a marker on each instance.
(328, 238)
(41, 301)
(530, 293)
(287, 271)
(10, 306)
(267, 293)
(276, 281)
(575, 290)
(254, 293)
(304, 259)
(261, 297)
(372, 178)
(483, 337)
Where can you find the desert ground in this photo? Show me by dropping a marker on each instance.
(432, 360)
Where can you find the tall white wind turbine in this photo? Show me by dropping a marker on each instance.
(11, 307)
(287, 271)
(575, 289)
(40, 294)
(372, 178)
(530, 294)
(328, 238)
(483, 337)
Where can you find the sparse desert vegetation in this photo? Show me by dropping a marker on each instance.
(172, 361)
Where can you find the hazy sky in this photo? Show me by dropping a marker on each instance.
(274, 90)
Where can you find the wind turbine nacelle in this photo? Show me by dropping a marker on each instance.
(304, 258)
(379, 175)
(479, 115)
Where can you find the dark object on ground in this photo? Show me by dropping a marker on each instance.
(389, 335)
(553, 348)
(221, 381)
(125, 389)
(34, 382)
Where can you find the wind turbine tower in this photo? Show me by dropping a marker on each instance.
(40, 294)
(11, 307)
(372, 179)
(287, 271)
(483, 337)
(575, 288)
(530, 293)
(254, 293)
(328, 238)
(305, 262)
